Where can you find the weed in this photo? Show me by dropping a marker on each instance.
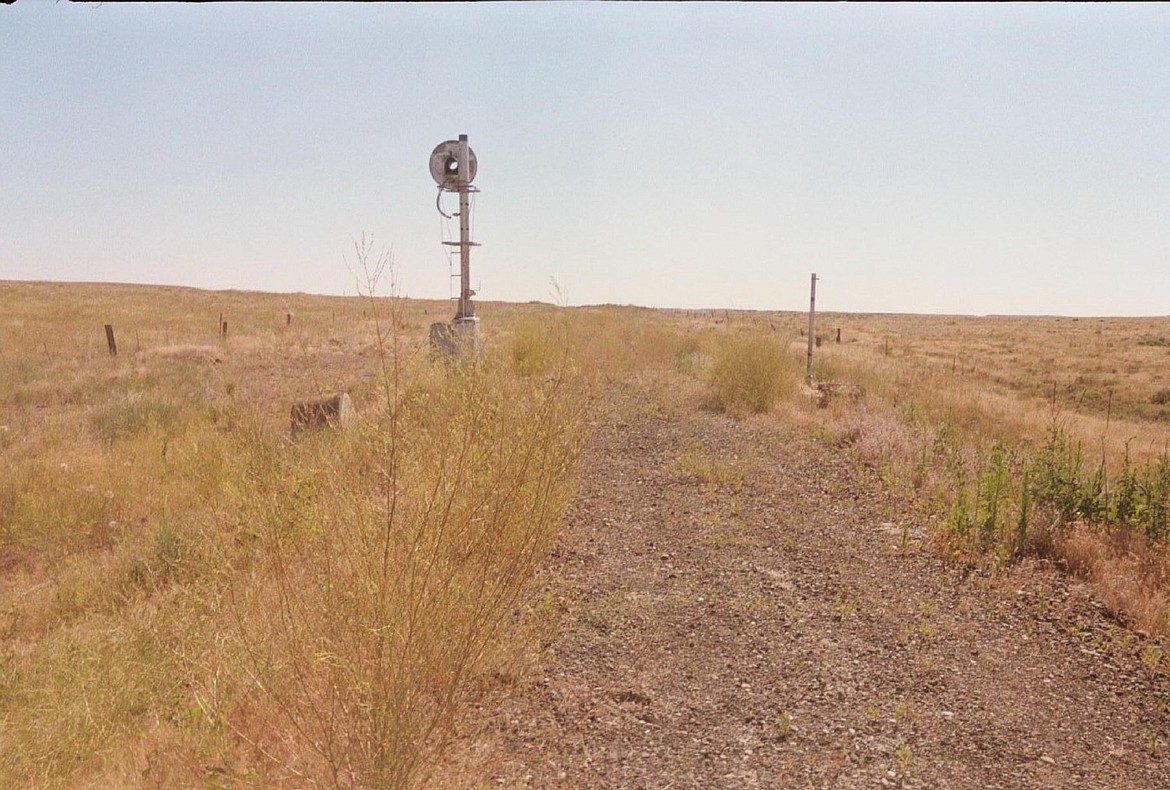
(392, 557)
(696, 464)
(134, 415)
(785, 727)
(750, 374)
(536, 349)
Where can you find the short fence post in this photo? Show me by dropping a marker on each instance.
(110, 340)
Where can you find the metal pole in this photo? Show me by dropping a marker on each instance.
(812, 312)
(466, 307)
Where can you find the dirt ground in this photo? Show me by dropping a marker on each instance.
(737, 604)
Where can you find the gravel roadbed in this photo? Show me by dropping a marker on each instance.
(736, 604)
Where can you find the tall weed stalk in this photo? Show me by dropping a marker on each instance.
(391, 560)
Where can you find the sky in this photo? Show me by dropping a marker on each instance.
(970, 159)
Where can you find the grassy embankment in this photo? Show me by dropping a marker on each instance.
(1017, 436)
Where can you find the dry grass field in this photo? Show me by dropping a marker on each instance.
(189, 595)
(998, 375)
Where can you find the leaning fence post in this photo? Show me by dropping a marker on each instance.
(110, 340)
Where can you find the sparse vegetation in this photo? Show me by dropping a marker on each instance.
(1003, 475)
(785, 727)
(904, 756)
(189, 593)
(696, 464)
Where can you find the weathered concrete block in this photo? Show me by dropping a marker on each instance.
(335, 411)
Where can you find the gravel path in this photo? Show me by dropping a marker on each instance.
(738, 605)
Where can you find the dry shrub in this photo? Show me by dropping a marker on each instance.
(879, 435)
(1128, 572)
(613, 343)
(537, 347)
(750, 374)
(389, 562)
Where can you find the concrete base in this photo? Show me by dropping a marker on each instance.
(335, 411)
(467, 341)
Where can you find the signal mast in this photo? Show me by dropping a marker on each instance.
(453, 166)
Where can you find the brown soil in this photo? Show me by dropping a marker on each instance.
(772, 620)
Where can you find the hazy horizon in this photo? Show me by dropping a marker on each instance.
(550, 303)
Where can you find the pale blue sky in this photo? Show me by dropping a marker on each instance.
(962, 159)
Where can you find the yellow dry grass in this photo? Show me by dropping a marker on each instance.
(190, 595)
(1002, 377)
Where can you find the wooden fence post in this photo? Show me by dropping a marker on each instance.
(110, 340)
(812, 336)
